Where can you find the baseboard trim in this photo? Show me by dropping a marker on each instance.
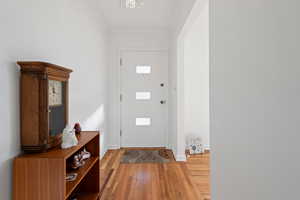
(102, 154)
(114, 147)
(144, 146)
(181, 158)
(206, 148)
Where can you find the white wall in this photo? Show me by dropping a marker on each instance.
(188, 13)
(67, 32)
(127, 40)
(196, 78)
(255, 95)
(182, 11)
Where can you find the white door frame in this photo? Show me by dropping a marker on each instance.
(121, 51)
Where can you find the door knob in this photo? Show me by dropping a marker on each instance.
(163, 102)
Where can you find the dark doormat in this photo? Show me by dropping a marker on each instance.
(146, 156)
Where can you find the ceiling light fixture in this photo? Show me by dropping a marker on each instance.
(132, 3)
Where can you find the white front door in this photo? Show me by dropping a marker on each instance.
(144, 78)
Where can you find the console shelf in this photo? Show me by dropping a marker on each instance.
(81, 174)
(42, 176)
(88, 196)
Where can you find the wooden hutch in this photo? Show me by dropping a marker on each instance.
(42, 176)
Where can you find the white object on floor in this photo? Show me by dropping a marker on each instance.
(195, 145)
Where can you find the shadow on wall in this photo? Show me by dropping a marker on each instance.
(96, 122)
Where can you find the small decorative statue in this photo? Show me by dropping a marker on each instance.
(85, 154)
(80, 158)
(77, 128)
(69, 138)
(77, 162)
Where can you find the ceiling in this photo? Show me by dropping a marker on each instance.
(155, 14)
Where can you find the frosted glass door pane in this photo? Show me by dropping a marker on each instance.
(143, 95)
(143, 69)
(143, 121)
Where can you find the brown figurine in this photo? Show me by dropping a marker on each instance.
(77, 162)
(77, 128)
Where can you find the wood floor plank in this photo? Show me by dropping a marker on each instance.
(155, 181)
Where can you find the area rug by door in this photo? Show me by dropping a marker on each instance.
(146, 156)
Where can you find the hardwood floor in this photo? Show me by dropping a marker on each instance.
(199, 172)
(152, 181)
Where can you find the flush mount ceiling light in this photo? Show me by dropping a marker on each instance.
(132, 3)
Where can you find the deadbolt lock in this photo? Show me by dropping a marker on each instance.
(163, 102)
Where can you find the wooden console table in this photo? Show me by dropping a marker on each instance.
(42, 176)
